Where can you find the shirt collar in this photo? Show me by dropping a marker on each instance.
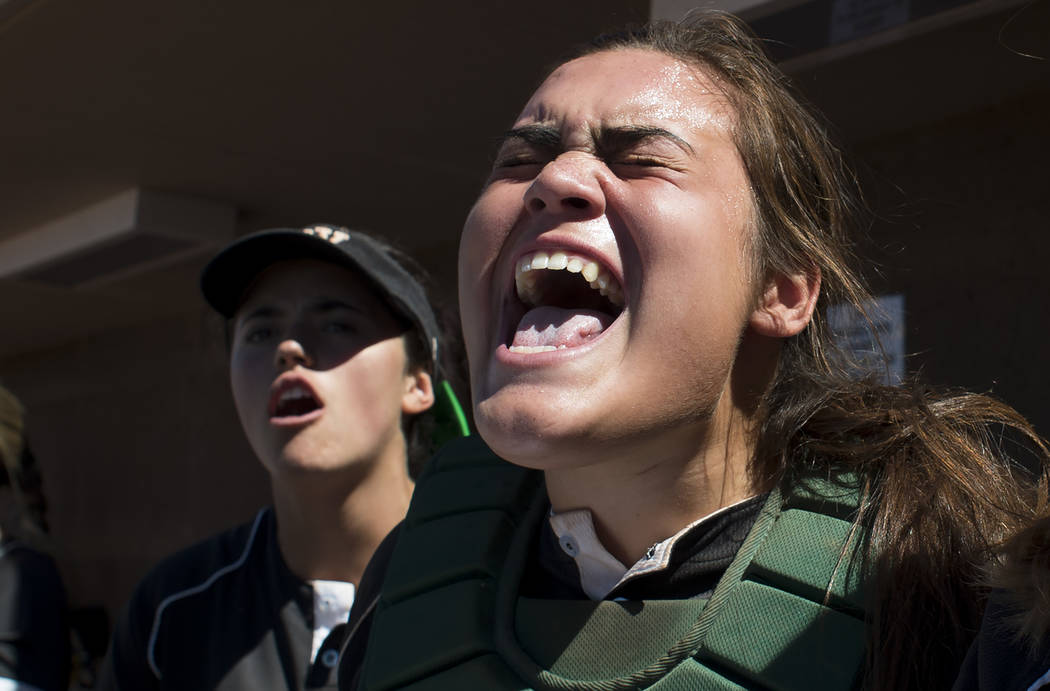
(600, 571)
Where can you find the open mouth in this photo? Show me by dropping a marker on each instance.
(568, 300)
(292, 401)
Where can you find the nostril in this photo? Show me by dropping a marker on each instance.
(576, 202)
(537, 204)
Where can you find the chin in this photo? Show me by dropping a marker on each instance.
(300, 458)
(541, 439)
(297, 466)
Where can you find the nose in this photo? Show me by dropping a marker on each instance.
(290, 352)
(568, 185)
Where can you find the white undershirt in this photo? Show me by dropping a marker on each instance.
(600, 571)
(332, 603)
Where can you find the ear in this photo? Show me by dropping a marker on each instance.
(787, 304)
(418, 393)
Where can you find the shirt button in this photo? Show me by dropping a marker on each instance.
(568, 546)
(329, 658)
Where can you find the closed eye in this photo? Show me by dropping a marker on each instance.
(526, 146)
(521, 168)
(639, 166)
(515, 154)
(517, 161)
(641, 161)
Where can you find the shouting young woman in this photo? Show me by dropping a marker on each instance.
(682, 487)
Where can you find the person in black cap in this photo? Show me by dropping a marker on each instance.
(334, 355)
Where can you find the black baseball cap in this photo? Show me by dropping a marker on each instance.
(227, 277)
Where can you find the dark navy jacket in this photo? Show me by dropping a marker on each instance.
(226, 613)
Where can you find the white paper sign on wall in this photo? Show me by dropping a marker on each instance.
(861, 339)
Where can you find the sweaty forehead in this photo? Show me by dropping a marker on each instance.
(628, 86)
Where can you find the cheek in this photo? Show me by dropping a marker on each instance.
(484, 233)
(690, 253)
(491, 219)
(249, 379)
(695, 293)
(371, 382)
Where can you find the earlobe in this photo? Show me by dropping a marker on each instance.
(787, 304)
(419, 393)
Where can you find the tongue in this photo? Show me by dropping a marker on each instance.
(554, 326)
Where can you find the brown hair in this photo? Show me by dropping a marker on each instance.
(1024, 575)
(18, 471)
(419, 430)
(942, 495)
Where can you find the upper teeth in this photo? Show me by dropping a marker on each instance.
(597, 277)
(293, 393)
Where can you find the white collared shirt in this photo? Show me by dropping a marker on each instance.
(332, 603)
(600, 571)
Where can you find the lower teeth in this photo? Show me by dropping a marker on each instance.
(534, 349)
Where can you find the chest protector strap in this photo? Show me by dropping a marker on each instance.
(787, 614)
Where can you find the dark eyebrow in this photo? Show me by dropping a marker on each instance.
(614, 140)
(263, 312)
(544, 137)
(609, 141)
(324, 305)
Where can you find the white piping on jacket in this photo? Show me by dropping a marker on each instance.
(197, 589)
(1040, 682)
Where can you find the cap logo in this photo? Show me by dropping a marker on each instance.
(332, 235)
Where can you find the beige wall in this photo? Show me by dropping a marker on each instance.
(963, 230)
(140, 449)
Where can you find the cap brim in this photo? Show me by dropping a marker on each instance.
(228, 276)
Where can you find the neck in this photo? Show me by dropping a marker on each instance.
(635, 505)
(329, 524)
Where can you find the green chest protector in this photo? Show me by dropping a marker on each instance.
(787, 614)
